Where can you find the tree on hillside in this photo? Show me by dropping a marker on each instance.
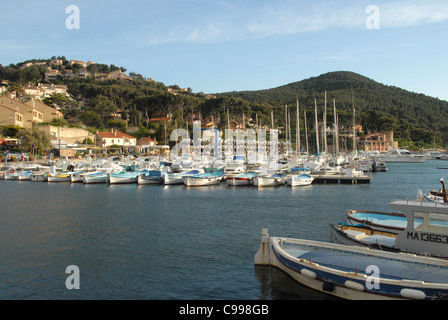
(17, 89)
(35, 137)
(61, 102)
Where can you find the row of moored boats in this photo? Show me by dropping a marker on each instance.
(233, 175)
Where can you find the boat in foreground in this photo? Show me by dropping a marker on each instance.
(355, 273)
(424, 230)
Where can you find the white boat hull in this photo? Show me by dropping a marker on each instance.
(91, 179)
(261, 181)
(39, 177)
(12, 176)
(122, 180)
(235, 181)
(142, 179)
(56, 178)
(24, 176)
(170, 179)
(201, 181)
(295, 181)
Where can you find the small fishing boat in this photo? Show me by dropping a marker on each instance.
(299, 180)
(353, 272)
(39, 177)
(96, 177)
(25, 175)
(242, 179)
(269, 180)
(59, 177)
(361, 235)
(12, 175)
(203, 179)
(381, 221)
(150, 177)
(176, 177)
(123, 177)
(421, 228)
(77, 177)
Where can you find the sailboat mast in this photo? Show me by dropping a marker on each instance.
(336, 129)
(317, 126)
(306, 133)
(354, 122)
(325, 123)
(298, 130)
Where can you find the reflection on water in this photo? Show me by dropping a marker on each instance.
(277, 285)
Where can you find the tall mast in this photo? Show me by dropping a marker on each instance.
(289, 131)
(298, 130)
(317, 126)
(325, 123)
(306, 133)
(354, 122)
(336, 129)
(286, 123)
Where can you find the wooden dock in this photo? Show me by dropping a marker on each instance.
(342, 179)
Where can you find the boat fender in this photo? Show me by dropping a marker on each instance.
(413, 294)
(308, 273)
(354, 285)
(328, 286)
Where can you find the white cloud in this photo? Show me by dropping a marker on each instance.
(234, 21)
(411, 13)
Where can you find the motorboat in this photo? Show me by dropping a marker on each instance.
(400, 155)
(418, 226)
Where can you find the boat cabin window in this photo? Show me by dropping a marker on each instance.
(430, 222)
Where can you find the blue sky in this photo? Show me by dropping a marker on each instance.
(217, 46)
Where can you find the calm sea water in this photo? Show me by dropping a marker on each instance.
(173, 242)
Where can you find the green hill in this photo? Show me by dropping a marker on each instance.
(414, 117)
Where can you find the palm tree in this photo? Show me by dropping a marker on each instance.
(17, 88)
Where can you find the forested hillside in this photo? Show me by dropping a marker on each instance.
(417, 120)
(413, 117)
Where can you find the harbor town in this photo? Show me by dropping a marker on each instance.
(365, 255)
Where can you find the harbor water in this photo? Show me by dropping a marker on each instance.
(171, 242)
